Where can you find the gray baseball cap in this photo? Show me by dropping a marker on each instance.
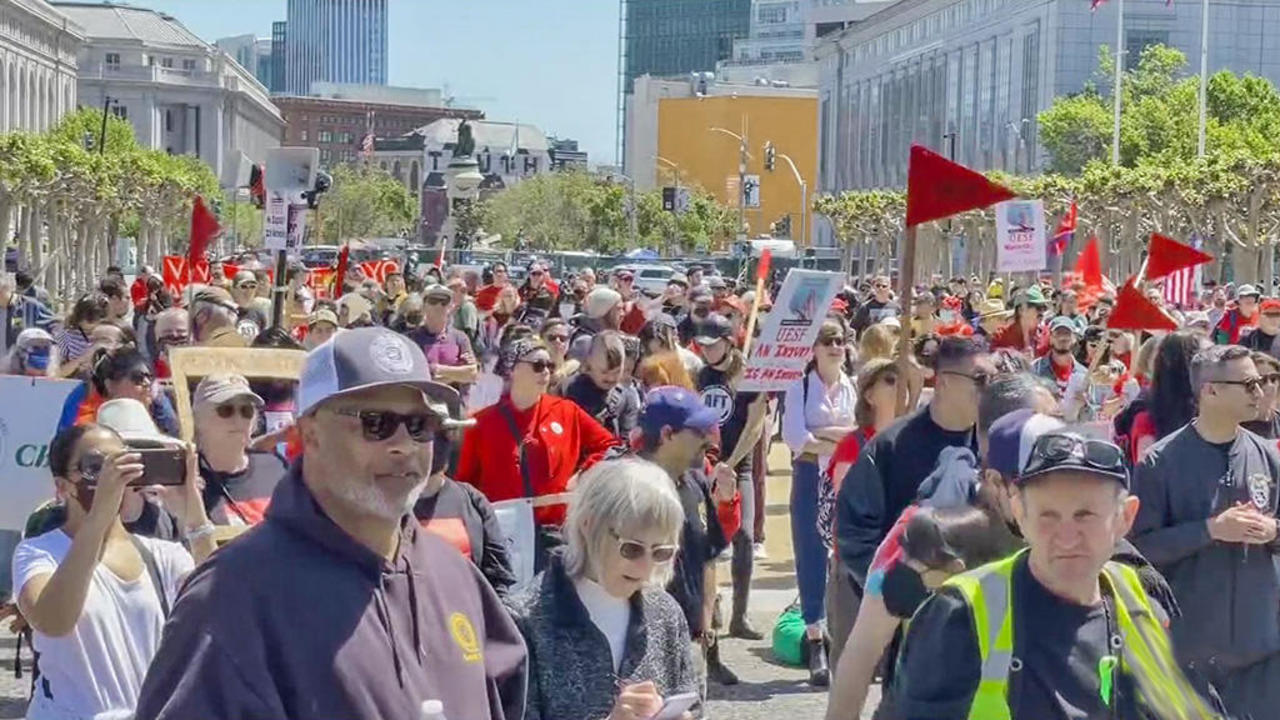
(222, 388)
(371, 357)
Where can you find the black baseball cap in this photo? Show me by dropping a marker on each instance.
(1068, 451)
(713, 329)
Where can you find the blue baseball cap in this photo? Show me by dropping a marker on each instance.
(677, 408)
(1011, 436)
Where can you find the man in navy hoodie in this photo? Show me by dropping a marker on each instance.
(339, 605)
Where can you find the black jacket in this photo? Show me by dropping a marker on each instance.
(570, 666)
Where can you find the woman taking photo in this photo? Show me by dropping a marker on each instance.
(97, 596)
(75, 341)
(529, 443)
(819, 414)
(605, 640)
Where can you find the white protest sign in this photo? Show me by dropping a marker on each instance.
(790, 329)
(516, 519)
(276, 224)
(28, 421)
(1020, 236)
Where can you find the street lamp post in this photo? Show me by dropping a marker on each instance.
(107, 100)
(804, 198)
(743, 156)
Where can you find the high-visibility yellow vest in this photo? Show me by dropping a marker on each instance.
(1146, 655)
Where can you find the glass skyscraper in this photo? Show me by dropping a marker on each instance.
(342, 41)
(674, 37)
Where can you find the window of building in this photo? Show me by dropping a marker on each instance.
(303, 136)
(771, 14)
(120, 111)
(325, 156)
(1137, 41)
(188, 65)
(113, 59)
(168, 120)
(167, 62)
(326, 136)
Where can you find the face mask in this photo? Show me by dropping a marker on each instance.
(904, 590)
(37, 358)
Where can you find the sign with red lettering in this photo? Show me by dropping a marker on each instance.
(1020, 236)
(790, 329)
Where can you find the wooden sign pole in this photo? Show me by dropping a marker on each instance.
(906, 278)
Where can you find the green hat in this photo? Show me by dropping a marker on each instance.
(1031, 296)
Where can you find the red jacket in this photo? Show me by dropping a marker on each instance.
(560, 439)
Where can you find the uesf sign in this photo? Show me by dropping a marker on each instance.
(28, 421)
(1020, 236)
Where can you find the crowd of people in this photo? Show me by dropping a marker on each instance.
(1029, 516)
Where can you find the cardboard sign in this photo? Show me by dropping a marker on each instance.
(786, 341)
(276, 222)
(1020, 236)
(189, 364)
(28, 421)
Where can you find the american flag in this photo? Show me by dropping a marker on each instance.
(1181, 287)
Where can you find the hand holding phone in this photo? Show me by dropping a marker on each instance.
(675, 707)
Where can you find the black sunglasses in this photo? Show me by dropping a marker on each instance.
(1250, 385)
(540, 366)
(378, 425)
(139, 377)
(227, 411)
(980, 378)
(1271, 378)
(832, 342)
(1054, 448)
(438, 301)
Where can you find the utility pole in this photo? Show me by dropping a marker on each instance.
(1115, 139)
(106, 102)
(804, 191)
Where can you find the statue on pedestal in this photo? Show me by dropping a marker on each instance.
(466, 144)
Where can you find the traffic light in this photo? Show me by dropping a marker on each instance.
(770, 156)
(257, 186)
(323, 182)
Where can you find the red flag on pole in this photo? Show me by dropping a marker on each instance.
(1066, 231)
(340, 277)
(762, 271)
(1089, 264)
(1166, 256)
(204, 228)
(1133, 311)
(938, 188)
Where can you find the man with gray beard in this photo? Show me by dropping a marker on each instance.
(339, 604)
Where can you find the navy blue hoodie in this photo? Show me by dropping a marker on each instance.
(295, 619)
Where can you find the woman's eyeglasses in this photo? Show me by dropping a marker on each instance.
(540, 366)
(378, 425)
(632, 550)
(558, 338)
(831, 342)
(140, 377)
(226, 412)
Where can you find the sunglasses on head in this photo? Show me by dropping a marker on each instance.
(540, 366)
(228, 410)
(1054, 448)
(632, 550)
(378, 425)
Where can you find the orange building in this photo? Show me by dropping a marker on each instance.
(709, 158)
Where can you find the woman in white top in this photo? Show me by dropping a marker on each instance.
(605, 640)
(95, 595)
(819, 412)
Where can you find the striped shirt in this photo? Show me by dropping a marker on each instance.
(72, 343)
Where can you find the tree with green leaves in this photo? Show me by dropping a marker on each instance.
(365, 201)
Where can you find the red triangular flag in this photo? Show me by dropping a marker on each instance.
(1133, 311)
(1166, 256)
(1089, 264)
(938, 188)
(340, 277)
(204, 228)
(762, 270)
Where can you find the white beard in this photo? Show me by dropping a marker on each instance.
(372, 499)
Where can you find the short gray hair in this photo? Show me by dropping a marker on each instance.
(1207, 364)
(628, 497)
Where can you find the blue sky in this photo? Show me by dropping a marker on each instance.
(551, 63)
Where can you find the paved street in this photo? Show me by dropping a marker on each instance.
(768, 690)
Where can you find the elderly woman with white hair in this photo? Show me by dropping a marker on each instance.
(605, 640)
(34, 354)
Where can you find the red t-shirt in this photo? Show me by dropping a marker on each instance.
(846, 454)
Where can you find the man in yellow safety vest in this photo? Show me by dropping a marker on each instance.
(1057, 631)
